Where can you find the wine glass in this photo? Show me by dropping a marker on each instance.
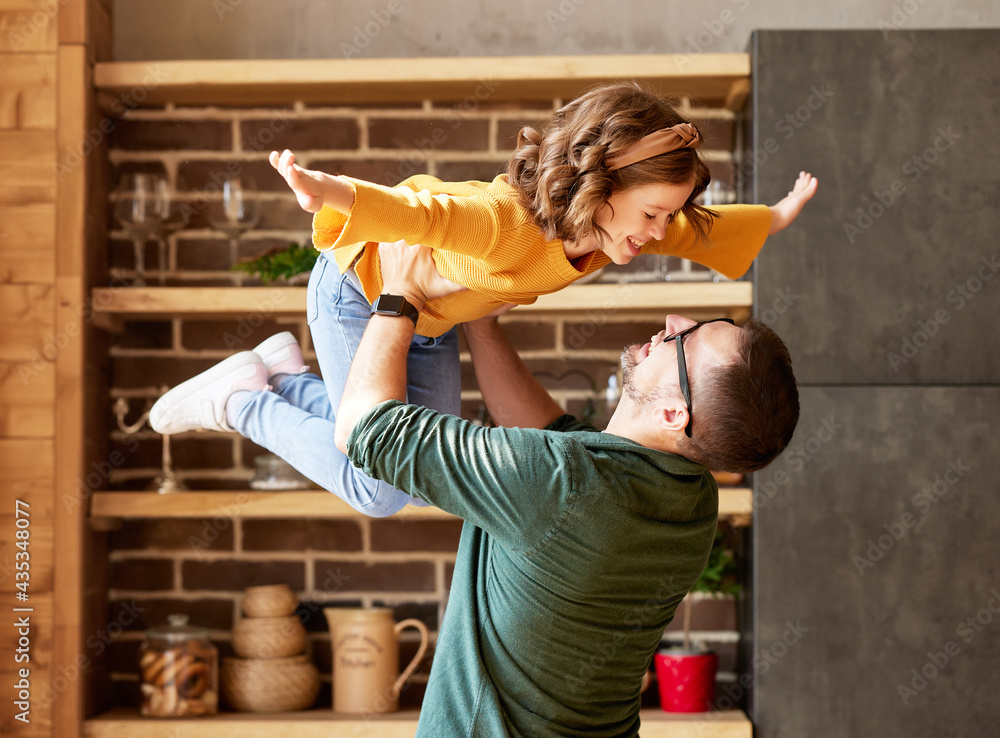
(236, 212)
(163, 239)
(143, 203)
(717, 193)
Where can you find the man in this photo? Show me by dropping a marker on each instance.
(578, 544)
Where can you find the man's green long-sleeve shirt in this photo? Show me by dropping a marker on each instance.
(577, 548)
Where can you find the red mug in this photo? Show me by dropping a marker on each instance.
(686, 680)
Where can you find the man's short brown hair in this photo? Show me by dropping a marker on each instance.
(744, 413)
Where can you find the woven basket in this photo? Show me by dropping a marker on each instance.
(269, 601)
(269, 685)
(269, 638)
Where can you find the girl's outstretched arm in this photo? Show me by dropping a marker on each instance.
(787, 209)
(313, 189)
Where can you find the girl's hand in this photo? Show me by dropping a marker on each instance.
(787, 209)
(305, 183)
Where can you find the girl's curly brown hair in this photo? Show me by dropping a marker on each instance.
(561, 177)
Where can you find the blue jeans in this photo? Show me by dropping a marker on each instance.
(296, 420)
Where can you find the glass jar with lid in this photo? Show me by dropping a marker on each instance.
(178, 671)
(274, 473)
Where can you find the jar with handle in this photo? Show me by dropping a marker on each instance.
(365, 641)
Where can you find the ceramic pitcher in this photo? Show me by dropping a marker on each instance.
(365, 642)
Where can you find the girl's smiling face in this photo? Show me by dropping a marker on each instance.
(637, 215)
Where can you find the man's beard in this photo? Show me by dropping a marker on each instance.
(628, 369)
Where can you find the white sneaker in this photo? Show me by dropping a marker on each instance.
(281, 354)
(200, 402)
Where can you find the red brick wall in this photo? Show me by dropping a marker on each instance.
(201, 566)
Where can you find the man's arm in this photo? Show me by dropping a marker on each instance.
(378, 372)
(513, 397)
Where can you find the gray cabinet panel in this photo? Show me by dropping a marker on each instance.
(892, 273)
(877, 582)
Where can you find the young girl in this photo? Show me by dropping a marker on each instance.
(614, 175)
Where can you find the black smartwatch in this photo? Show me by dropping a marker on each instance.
(395, 305)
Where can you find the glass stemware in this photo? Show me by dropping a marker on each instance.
(163, 240)
(717, 193)
(236, 212)
(142, 204)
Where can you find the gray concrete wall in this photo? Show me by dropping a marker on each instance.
(263, 29)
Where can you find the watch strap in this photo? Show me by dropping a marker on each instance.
(394, 306)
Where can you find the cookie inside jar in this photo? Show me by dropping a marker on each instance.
(178, 671)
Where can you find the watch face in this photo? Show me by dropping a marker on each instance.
(389, 304)
(394, 305)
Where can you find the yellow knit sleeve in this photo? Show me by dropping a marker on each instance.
(466, 225)
(737, 236)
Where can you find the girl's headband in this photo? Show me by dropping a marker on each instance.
(681, 136)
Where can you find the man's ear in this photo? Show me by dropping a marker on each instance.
(671, 415)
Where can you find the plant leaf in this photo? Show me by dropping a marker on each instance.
(280, 263)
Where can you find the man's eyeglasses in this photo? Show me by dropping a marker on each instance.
(682, 365)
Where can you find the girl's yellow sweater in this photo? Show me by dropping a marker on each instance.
(483, 239)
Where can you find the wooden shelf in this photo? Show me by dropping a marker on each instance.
(735, 503)
(711, 79)
(694, 299)
(324, 723)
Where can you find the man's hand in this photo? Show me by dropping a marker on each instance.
(410, 271)
(378, 372)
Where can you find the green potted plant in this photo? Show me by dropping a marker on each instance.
(290, 264)
(686, 674)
